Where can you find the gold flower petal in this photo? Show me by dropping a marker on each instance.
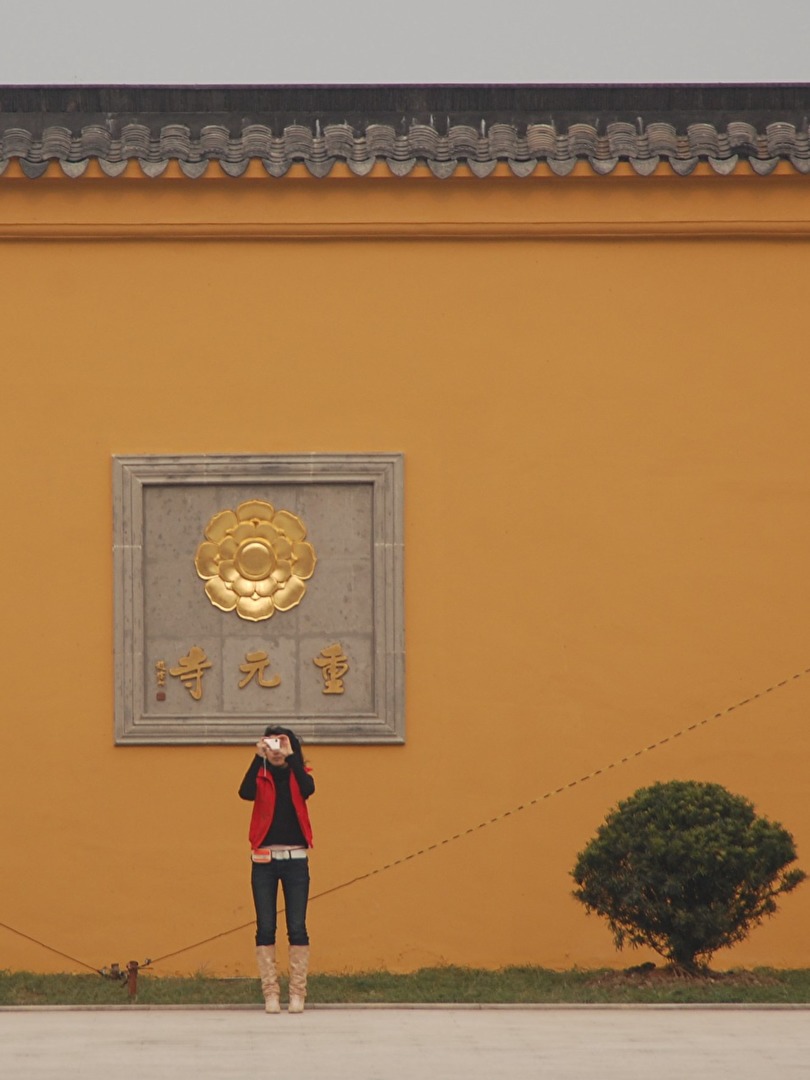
(255, 508)
(233, 538)
(205, 561)
(290, 525)
(267, 531)
(290, 595)
(243, 531)
(242, 587)
(228, 571)
(220, 595)
(266, 587)
(304, 556)
(218, 525)
(227, 548)
(255, 610)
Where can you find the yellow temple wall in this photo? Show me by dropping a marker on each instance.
(600, 387)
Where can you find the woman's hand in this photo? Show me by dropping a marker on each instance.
(275, 757)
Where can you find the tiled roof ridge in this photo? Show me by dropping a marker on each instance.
(409, 99)
(443, 153)
(773, 128)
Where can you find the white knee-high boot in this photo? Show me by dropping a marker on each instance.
(299, 966)
(266, 959)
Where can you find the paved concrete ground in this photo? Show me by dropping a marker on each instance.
(580, 1043)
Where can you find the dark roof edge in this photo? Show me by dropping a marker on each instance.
(414, 98)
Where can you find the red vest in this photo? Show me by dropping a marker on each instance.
(264, 806)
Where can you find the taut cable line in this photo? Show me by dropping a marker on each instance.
(50, 948)
(514, 810)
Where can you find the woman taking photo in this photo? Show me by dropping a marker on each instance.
(279, 784)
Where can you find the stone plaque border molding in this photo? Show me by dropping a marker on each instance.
(132, 475)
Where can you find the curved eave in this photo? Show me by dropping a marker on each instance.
(481, 130)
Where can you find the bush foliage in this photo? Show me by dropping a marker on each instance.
(686, 868)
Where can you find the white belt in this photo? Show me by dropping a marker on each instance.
(268, 854)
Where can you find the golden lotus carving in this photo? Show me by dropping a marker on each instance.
(254, 560)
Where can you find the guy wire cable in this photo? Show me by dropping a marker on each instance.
(508, 813)
(50, 948)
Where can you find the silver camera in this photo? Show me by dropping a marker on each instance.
(272, 742)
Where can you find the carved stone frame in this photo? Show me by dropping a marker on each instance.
(133, 475)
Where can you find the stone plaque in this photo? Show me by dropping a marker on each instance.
(255, 590)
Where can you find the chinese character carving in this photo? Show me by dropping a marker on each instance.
(334, 665)
(255, 664)
(160, 676)
(190, 670)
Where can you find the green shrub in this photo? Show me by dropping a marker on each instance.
(685, 868)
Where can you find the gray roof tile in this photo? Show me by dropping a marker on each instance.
(442, 127)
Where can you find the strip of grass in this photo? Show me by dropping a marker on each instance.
(448, 985)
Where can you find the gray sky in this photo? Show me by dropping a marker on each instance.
(368, 41)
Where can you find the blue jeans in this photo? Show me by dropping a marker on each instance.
(294, 877)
